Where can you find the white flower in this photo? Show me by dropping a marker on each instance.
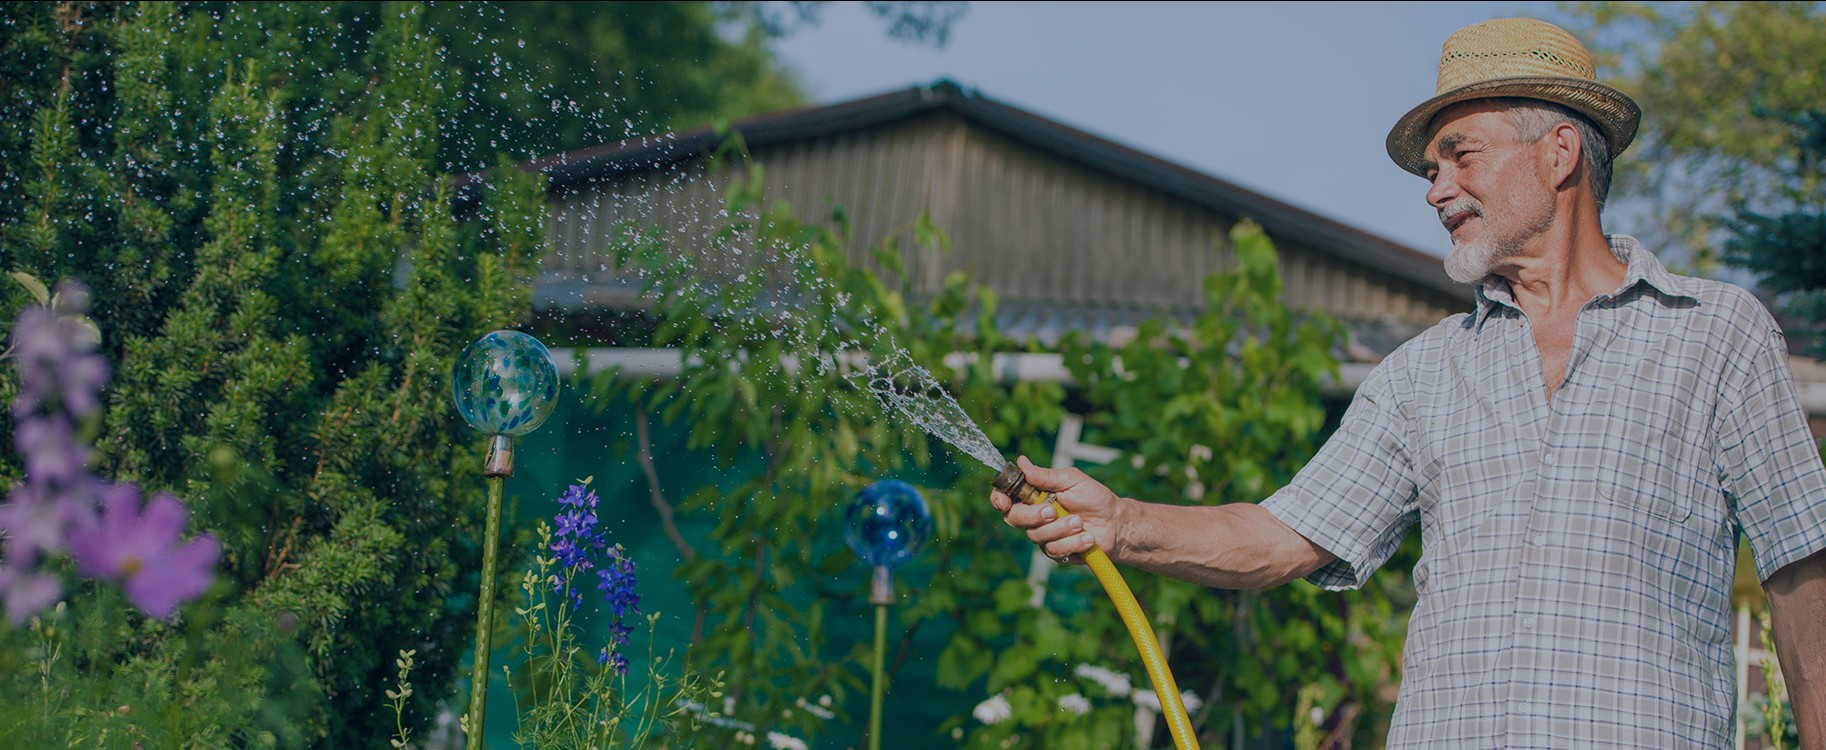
(818, 710)
(993, 711)
(1191, 700)
(1117, 684)
(783, 742)
(1147, 699)
(1074, 703)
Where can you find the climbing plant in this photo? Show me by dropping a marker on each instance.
(1223, 409)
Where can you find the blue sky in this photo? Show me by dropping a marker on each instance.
(1292, 100)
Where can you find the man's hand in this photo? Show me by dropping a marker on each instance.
(1092, 510)
(1231, 546)
(1797, 609)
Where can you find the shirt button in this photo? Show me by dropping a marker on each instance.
(1527, 622)
(1540, 540)
(1523, 707)
(1548, 458)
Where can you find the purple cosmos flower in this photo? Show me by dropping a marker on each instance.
(61, 379)
(27, 592)
(142, 551)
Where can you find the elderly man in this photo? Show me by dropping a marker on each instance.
(1581, 452)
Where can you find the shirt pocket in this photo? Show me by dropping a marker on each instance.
(1649, 459)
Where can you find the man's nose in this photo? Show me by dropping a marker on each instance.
(1443, 190)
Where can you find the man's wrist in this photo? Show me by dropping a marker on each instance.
(1124, 514)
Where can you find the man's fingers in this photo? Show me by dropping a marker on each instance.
(1050, 480)
(1069, 550)
(1024, 516)
(1057, 530)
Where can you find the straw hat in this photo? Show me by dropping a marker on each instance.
(1515, 57)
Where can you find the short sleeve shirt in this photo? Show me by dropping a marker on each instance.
(1577, 555)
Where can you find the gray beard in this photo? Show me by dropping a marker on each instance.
(1470, 262)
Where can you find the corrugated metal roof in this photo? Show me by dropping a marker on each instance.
(579, 169)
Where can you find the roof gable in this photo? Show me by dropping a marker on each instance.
(576, 169)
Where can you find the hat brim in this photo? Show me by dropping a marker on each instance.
(1610, 110)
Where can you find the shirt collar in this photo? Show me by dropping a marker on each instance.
(1643, 268)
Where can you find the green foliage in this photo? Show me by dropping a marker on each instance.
(1222, 410)
(539, 78)
(1785, 245)
(251, 192)
(1715, 81)
(1773, 718)
(772, 571)
(94, 674)
(923, 22)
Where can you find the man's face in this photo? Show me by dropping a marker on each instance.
(1491, 191)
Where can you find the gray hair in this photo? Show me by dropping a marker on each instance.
(1533, 118)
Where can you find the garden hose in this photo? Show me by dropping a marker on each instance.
(1013, 483)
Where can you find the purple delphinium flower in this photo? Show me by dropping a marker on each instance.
(142, 552)
(37, 521)
(52, 454)
(61, 378)
(616, 582)
(579, 546)
(57, 358)
(576, 539)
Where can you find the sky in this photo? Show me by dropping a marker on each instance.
(1292, 100)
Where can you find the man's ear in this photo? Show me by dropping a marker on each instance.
(1567, 154)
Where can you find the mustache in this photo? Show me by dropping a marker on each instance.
(1456, 208)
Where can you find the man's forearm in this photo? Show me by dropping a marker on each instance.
(1797, 608)
(1236, 546)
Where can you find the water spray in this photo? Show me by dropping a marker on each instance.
(1013, 483)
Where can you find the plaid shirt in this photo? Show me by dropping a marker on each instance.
(1575, 581)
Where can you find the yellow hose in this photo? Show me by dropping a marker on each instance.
(1179, 724)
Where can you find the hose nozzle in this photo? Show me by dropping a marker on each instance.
(1013, 483)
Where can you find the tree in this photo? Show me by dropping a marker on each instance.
(1716, 81)
(259, 197)
(1785, 244)
(541, 78)
(282, 289)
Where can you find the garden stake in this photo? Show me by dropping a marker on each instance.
(886, 523)
(504, 384)
(881, 594)
(1013, 483)
(500, 466)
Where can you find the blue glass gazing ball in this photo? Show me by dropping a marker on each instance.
(505, 383)
(887, 522)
